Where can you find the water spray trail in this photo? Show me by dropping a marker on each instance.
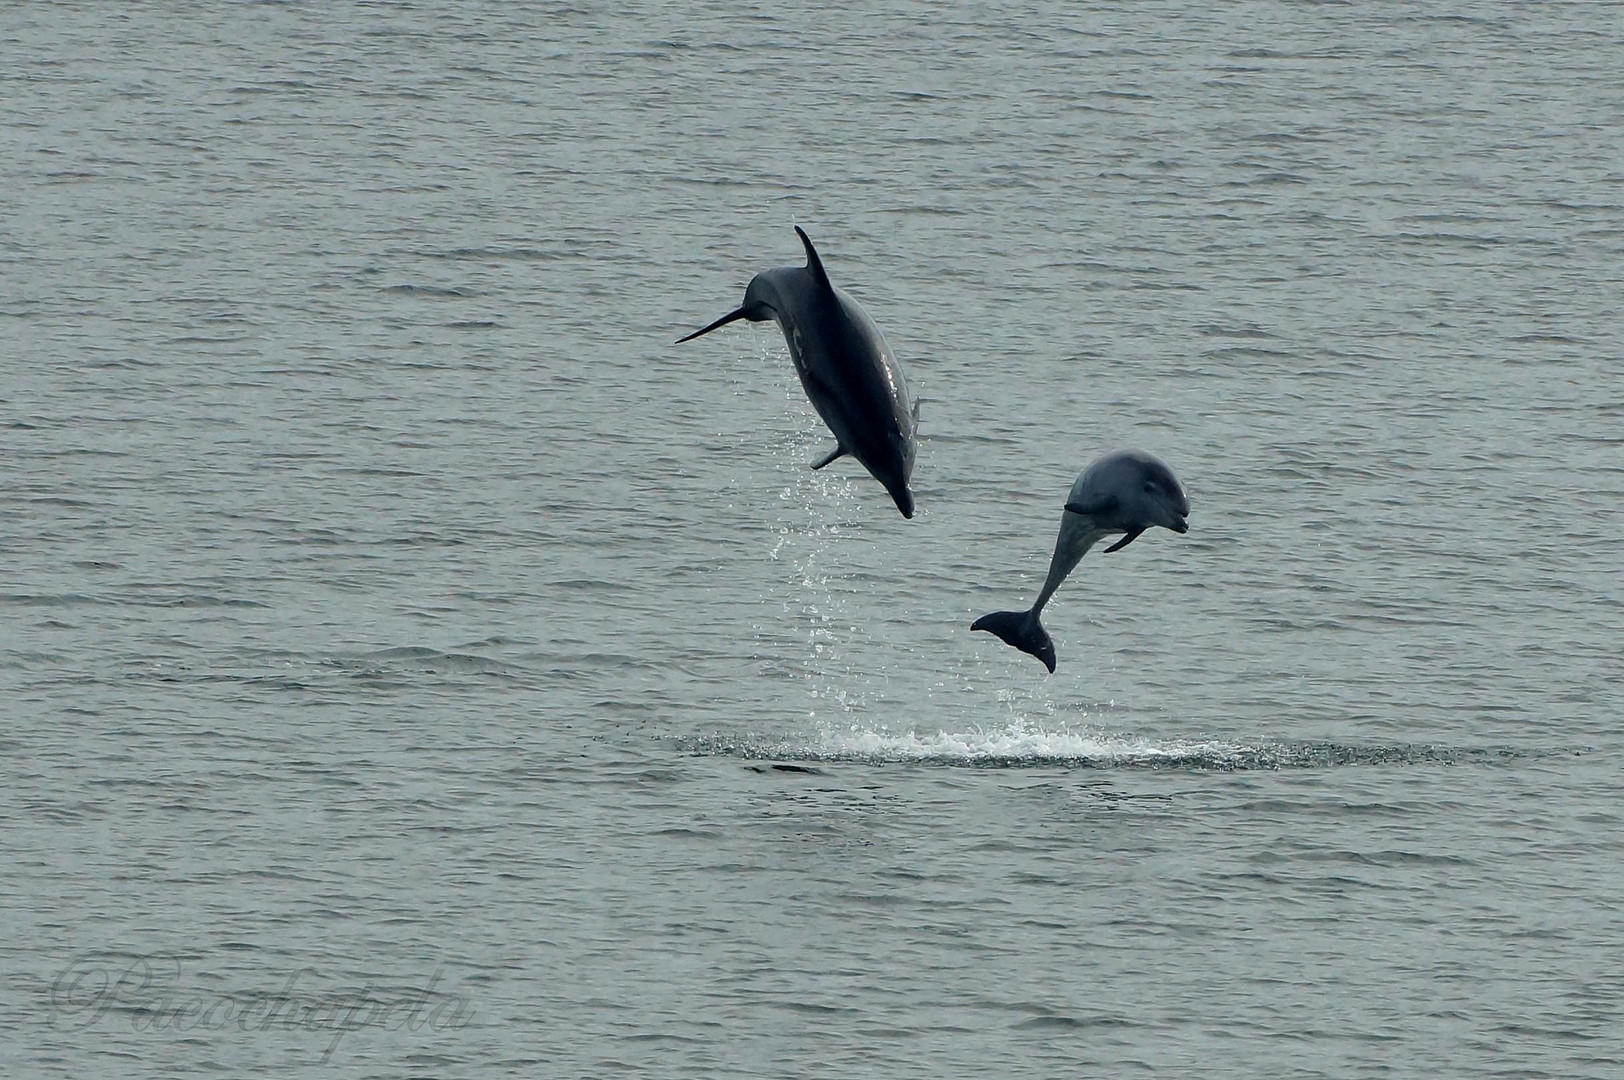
(809, 532)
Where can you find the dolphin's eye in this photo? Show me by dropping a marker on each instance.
(1150, 487)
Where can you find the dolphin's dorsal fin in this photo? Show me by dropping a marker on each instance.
(813, 263)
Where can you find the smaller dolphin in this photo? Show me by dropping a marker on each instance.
(1123, 492)
(845, 366)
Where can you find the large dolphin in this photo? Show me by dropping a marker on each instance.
(845, 366)
(1123, 492)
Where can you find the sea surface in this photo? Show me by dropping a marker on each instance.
(413, 663)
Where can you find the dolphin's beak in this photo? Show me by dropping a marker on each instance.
(1181, 514)
(723, 321)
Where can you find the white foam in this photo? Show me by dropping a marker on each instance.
(1023, 742)
(1019, 741)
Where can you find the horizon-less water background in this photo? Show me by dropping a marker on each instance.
(390, 609)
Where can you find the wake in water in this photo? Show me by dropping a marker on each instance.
(1025, 745)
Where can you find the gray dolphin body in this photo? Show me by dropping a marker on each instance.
(845, 366)
(1124, 492)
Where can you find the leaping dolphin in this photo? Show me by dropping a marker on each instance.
(1123, 492)
(847, 370)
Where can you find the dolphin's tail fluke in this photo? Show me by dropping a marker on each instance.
(731, 316)
(1022, 630)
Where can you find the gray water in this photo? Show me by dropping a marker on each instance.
(415, 664)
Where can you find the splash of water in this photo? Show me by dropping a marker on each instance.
(1024, 744)
(808, 533)
(1020, 741)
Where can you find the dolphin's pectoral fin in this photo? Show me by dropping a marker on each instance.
(826, 458)
(1089, 509)
(1133, 534)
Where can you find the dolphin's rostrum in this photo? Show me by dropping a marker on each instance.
(1125, 492)
(846, 368)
